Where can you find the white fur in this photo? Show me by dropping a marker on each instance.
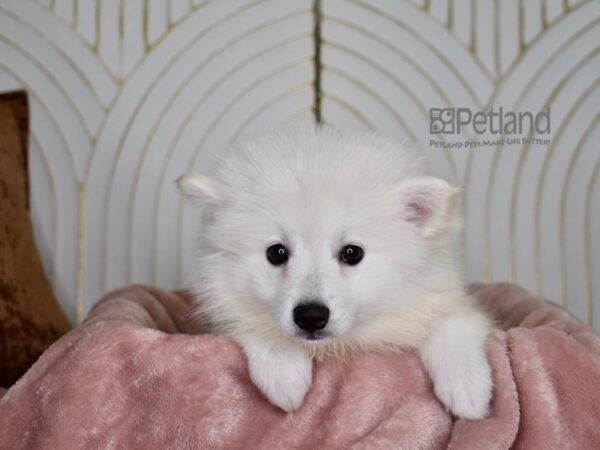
(316, 190)
(281, 370)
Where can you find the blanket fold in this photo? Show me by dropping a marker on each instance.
(139, 372)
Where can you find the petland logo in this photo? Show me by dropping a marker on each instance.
(502, 127)
(494, 122)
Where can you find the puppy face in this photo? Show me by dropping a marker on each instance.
(306, 254)
(316, 263)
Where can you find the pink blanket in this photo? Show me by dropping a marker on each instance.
(131, 376)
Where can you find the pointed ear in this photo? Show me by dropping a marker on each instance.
(200, 189)
(428, 203)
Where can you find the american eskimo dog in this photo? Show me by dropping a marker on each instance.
(319, 242)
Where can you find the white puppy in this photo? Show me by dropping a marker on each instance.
(318, 242)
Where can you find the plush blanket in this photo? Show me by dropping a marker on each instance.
(136, 374)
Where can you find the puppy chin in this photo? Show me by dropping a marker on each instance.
(321, 338)
(314, 339)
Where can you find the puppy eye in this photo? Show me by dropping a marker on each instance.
(277, 254)
(351, 255)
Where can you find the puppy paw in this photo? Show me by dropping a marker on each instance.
(454, 355)
(283, 373)
(285, 386)
(465, 388)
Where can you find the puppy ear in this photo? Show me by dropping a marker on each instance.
(428, 203)
(200, 189)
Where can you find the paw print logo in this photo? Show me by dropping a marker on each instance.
(441, 120)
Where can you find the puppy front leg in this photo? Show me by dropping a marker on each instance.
(454, 355)
(281, 370)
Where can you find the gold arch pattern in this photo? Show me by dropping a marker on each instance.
(126, 96)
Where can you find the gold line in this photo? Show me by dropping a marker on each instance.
(566, 6)
(497, 68)
(473, 27)
(542, 179)
(374, 95)
(541, 182)
(40, 64)
(433, 49)
(403, 87)
(142, 99)
(198, 150)
(503, 77)
(211, 126)
(537, 38)
(46, 37)
(562, 207)
(154, 82)
(395, 50)
(151, 47)
(425, 9)
(388, 74)
(547, 62)
(248, 88)
(256, 113)
(96, 45)
(69, 157)
(144, 31)
(80, 250)
(424, 73)
(44, 157)
(544, 15)
(114, 71)
(190, 11)
(354, 111)
(121, 36)
(318, 67)
(197, 104)
(187, 120)
(163, 36)
(215, 85)
(589, 309)
(522, 45)
(58, 128)
(167, 13)
(300, 113)
(209, 92)
(496, 156)
(542, 67)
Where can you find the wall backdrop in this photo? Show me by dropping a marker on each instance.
(126, 95)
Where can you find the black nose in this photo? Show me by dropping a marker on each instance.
(311, 316)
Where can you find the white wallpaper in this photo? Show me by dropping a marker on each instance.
(128, 94)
